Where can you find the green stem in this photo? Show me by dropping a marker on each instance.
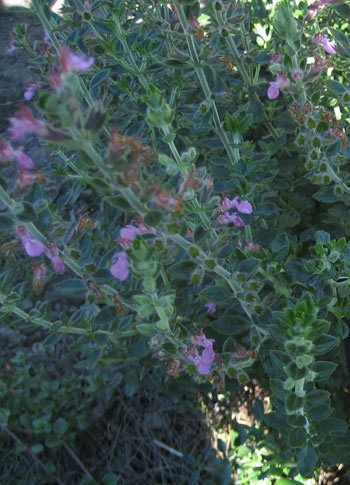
(42, 322)
(203, 82)
(231, 45)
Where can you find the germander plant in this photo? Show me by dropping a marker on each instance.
(195, 206)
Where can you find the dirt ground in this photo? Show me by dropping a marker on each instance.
(15, 75)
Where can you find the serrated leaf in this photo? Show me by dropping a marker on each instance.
(307, 460)
(60, 426)
(323, 369)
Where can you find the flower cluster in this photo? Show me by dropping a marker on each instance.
(203, 360)
(327, 44)
(8, 154)
(120, 266)
(275, 86)
(72, 62)
(227, 217)
(34, 248)
(23, 123)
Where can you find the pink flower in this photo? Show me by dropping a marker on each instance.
(39, 271)
(190, 233)
(274, 86)
(11, 48)
(53, 253)
(29, 92)
(24, 161)
(54, 79)
(120, 266)
(127, 235)
(87, 6)
(242, 353)
(206, 360)
(297, 74)
(26, 178)
(71, 62)
(320, 64)
(194, 24)
(328, 44)
(244, 207)
(7, 153)
(276, 58)
(250, 246)
(211, 307)
(46, 38)
(24, 123)
(203, 361)
(129, 232)
(201, 339)
(32, 246)
(175, 15)
(316, 6)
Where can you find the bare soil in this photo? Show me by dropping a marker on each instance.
(15, 75)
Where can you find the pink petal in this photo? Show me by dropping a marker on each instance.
(282, 80)
(129, 232)
(29, 92)
(32, 246)
(120, 268)
(206, 360)
(237, 221)
(227, 203)
(245, 207)
(23, 160)
(71, 62)
(211, 307)
(58, 265)
(273, 91)
(23, 123)
(329, 46)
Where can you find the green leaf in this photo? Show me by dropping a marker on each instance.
(342, 10)
(280, 246)
(287, 481)
(248, 266)
(52, 442)
(324, 344)
(6, 223)
(293, 403)
(182, 271)
(215, 293)
(4, 415)
(52, 339)
(99, 78)
(37, 448)
(146, 329)
(110, 479)
(71, 287)
(117, 202)
(296, 437)
(131, 384)
(336, 87)
(323, 369)
(307, 460)
(60, 426)
(231, 325)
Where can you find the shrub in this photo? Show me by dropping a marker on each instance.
(194, 210)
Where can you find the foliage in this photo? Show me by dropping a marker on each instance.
(213, 141)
